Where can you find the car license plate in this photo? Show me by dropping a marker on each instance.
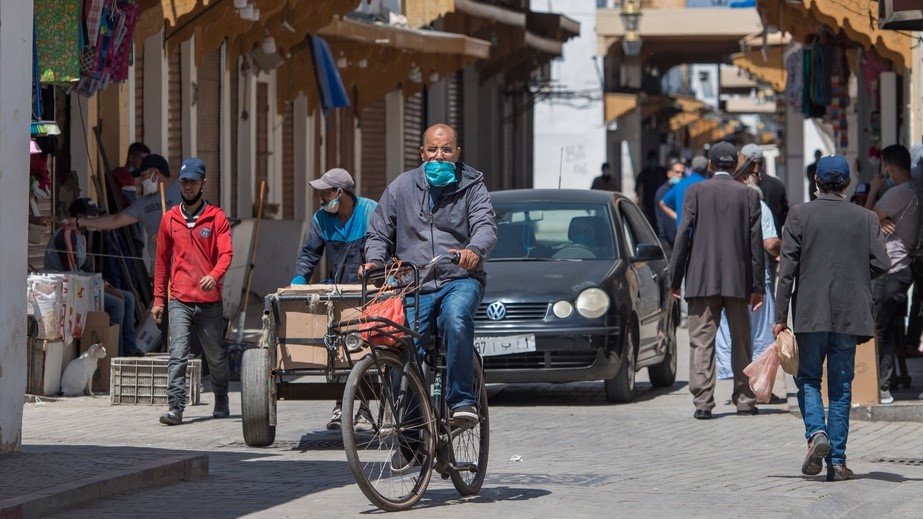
(493, 346)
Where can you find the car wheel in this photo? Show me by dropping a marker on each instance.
(664, 374)
(621, 388)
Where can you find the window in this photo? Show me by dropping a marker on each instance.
(544, 230)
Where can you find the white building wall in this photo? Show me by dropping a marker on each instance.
(570, 133)
(15, 114)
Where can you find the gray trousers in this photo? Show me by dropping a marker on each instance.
(205, 320)
(704, 316)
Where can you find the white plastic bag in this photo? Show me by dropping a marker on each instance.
(762, 373)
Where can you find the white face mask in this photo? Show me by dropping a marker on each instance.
(332, 206)
(149, 186)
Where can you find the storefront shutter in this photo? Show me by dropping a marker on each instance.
(374, 174)
(208, 123)
(454, 102)
(413, 130)
(288, 163)
(262, 142)
(174, 115)
(235, 111)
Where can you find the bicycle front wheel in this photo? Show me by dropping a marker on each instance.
(471, 443)
(388, 431)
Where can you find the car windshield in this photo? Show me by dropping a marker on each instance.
(553, 231)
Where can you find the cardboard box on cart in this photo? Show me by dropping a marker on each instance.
(307, 318)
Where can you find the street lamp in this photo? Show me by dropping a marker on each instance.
(631, 43)
(631, 14)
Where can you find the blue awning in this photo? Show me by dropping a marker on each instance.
(333, 94)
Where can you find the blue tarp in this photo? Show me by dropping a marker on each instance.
(333, 94)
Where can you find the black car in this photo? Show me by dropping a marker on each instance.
(576, 290)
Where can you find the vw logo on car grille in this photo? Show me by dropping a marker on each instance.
(496, 311)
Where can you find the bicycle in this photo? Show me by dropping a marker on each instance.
(411, 433)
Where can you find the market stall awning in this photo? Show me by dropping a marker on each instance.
(214, 21)
(617, 105)
(521, 40)
(374, 59)
(768, 66)
(853, 18)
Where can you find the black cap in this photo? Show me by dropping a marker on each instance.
(153, 161)
(84, 207)
(723, 153)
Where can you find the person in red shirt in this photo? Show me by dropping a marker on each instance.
(126, 177)
(194, 252)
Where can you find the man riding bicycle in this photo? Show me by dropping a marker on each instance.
(443, 205)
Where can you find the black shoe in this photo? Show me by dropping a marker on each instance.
(172, 417)
(839, 473)
(745, 412)
(222, 410)
(702, 414)
(466, 414)
(818, 448)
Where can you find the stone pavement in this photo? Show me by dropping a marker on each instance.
(578, 457)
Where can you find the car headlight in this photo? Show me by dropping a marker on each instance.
(562, 309)
(592, 303)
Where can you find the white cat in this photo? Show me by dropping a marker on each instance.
(78, 376)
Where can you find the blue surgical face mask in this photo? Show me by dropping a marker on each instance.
(675, 180)
(889, 182)
(439, 173)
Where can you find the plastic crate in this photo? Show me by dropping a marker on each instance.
(144, 381)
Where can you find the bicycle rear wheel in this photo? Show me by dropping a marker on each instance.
(471, 444)
(388, 431)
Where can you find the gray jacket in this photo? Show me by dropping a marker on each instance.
(409, 225)
(719, 243)
(831, 251)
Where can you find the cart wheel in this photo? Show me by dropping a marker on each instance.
(255, 398)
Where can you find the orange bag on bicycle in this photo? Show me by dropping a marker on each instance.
(378, 333)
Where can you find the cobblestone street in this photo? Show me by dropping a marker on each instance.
(579, 456)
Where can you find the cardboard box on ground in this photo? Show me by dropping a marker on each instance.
(99, 330)
(865, 380)
(307, 318)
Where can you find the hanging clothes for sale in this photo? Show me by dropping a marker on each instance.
(107, 28)
(57, 34)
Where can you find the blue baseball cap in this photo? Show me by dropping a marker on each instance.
(833, 169)
(193, 169)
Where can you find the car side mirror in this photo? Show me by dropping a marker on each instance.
(648, 252)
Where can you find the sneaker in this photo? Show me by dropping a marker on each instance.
(172, 417)
(465, 413)
(336, 420)
(885, 397)
(222, 410)
(405, 458)
(363, 421)
(839, 473)
(818, 448)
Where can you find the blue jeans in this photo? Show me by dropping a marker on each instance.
(122, 312)
(451, 308)
(207, 321)
(840, 351)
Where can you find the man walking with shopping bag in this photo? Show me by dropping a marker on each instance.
(831, 251)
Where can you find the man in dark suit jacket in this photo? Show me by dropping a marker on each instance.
(719, 251)
(831, 250)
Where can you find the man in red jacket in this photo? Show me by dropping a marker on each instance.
(193, 253)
